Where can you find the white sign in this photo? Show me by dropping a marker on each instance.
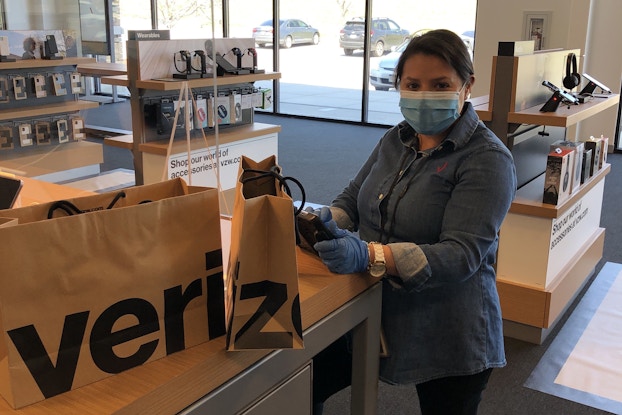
(206, 164)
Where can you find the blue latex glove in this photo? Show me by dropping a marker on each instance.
(345, 254)
(327, 218)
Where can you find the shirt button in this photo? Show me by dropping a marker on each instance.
(380, 196)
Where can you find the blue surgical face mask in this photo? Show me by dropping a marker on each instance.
(430, 112)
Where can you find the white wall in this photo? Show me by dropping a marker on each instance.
(42, 14)
(603, 60)
(503, 21)
(18, 15)
(569, 24)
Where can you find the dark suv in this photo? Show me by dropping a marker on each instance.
(385, 34)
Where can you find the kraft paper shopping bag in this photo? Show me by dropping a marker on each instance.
(264, 302)
(107, 283)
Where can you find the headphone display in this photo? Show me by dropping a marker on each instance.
(572, 78)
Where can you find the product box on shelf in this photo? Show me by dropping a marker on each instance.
(604, 146)
(235, 103)
(200, 118)
(596, 146)
(578, 148)
(223, 109)
(263, 98)
(586, 165)
(557, 179)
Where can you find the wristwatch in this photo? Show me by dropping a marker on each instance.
(377, 268)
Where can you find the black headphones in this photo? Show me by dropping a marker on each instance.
(572, 79)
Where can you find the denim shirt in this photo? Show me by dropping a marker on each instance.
(440, 214)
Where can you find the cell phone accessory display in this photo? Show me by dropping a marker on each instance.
(76, 82)
(188, 72)
(25, 135)
(62, 131)
(40, 86)
(181, 118)
(165, 114)
(202, 62)
(235, 102)
(50, 48)
(77, 128)
(43, 133)
(200, 114)
(19, 87)
(253, 52)
(58, 80)
(6, 137)
(557, 98)
(223, 109)
(224, 66)
(592, 84)
(4, 89)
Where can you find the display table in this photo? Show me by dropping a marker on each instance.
(97, 70)
(546, 254)
(37, 191)
(208, 379)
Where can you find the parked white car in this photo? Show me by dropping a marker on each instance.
(383, 76)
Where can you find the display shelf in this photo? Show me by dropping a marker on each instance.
(52, 159)
(546, 252)
(47, 109)
(102, 69)
(481, 105)
(41, 160)
(44, 63)
(228, 136)
(150, 80)
(172, 84)
(118, 80)
(528, 200)
(565, 116)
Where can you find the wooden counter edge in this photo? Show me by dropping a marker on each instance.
(565, 116)
(227, 135)
(173, 84)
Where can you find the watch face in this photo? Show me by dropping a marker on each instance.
(377, 270)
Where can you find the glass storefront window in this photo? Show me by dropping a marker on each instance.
(455, 15)
(190, 19)
(330, 79)
(133, 15)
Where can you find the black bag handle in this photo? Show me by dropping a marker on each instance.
(70, 209)
(275, 172)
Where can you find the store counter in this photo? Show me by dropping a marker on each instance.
(37, 191)
(208, 379)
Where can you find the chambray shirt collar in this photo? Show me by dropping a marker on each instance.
(459, 135)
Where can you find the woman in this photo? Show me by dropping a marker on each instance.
(432, 195)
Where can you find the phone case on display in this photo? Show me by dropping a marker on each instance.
(43, 133)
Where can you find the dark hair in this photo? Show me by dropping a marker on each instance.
(443, 44)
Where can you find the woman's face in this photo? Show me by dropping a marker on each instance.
(430, 73)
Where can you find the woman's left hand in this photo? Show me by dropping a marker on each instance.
(345, 254)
